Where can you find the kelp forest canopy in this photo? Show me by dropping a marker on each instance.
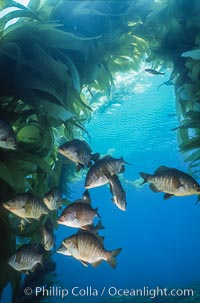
(58, 50)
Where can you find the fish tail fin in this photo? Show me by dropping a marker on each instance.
(112, 259)
(145, 177)
(95, 157)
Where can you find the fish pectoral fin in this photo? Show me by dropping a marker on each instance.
(168, 196)
(153, 188)
(95, 264)
(84, 263)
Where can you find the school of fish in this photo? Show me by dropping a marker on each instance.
(86, 245)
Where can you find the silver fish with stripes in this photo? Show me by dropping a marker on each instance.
(172, 182)
(25, 259)
(47, 238)
(79, 152)
(53, 199)
(7, 135)
(26, 206)
(100, 172)
(88, 248)
(119, 194)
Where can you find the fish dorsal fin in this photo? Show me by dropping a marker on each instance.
(84, 263)
(161, 168)
(107, 157)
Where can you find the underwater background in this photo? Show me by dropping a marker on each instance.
(87, 80)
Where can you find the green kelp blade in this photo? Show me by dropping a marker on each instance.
(193, 157)
(30, 81)
(194, 115)
(190, 144)
(34, 5)
(15, 14)
(74, 73)
(55, 111)
(194, 54)
(16, 172)
(6, 175)
(188, 124)
(37, 160)
(10, 3)
(51, 36)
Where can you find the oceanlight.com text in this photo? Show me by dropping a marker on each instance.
(111, 291)
(150, 292)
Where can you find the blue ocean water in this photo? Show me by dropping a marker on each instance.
(159, 239)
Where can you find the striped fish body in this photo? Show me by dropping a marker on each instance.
(53, 199)
(172, 181)
(86, 247)
(7, 135)
(78, 151)
(26, 206)
(48, 238)
(100, 172)
(119, 195)
(78, 215)
(111, 166)
(25, 259)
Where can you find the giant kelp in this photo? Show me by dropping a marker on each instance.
(56, 49)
